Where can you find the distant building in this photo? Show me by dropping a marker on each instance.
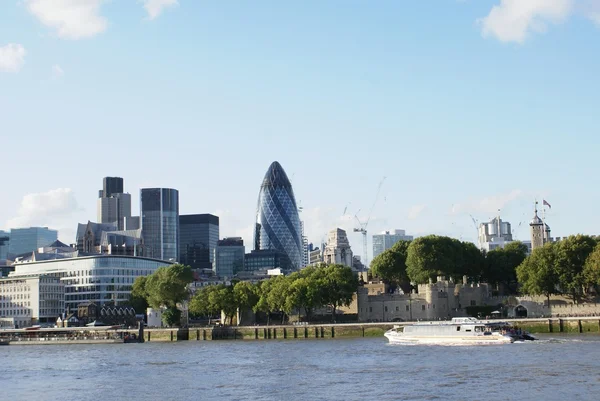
(102, 279)
(277, 221)
(4, 244)
(198, 236)
(31, 299)
(305, 250)
(114, 206)
(266, 259)
(495, 234)
(229, 257)
(159, 218)
(315, 256)
(540, 231)
(24, 240)
(387, 239)
(337, 250)
(96, 238)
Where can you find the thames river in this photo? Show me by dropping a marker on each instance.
(555, 368)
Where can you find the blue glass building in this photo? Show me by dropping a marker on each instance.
(277, 221)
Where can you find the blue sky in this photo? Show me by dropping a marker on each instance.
(465, 107)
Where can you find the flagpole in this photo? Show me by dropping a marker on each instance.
(544, 224)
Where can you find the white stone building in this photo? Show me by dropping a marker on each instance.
(387, 239)
(31, 299)
(337, 250)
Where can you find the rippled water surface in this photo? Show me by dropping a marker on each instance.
(555, 368)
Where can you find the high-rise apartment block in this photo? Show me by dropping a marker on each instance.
(24, 240)
(495, 234)
(387, 239)
(229, 257)
(159, 219)
(198, 236)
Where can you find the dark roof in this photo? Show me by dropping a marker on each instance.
(58, 244)
(198, 219)
(276, 177)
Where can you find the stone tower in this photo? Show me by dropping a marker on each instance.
(537, 231)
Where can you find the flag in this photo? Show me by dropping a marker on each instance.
(547, 204)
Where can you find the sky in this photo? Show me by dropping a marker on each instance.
(452, 110)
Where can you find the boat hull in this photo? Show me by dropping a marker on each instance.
(399, 338)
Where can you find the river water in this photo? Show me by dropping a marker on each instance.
(555, 368)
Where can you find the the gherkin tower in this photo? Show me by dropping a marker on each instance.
(277, 220)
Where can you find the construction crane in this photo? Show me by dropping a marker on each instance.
(362, 227)
(476, 224)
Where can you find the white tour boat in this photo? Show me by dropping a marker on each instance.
(462, 331)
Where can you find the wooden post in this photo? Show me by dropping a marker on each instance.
(580, 326)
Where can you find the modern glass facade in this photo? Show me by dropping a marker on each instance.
(260, 260)
(198, 236)
(159, 219)
(277, 221)
(111, 185)
(100, 279)
(24, 240)
(4, 242)
(229, 257)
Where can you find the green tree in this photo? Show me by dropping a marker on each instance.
(591, 269)
(429, 257)
(139, 296)
(501, 265)
(304, 291)
(338, 284)
(277, 296)
(201, 305)
(167, 287)
(390, 266)
(571, 256)
(537, 274)
(245, 295)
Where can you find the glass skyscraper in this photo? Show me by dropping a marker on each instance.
(159, 219)
(198, 236)
(277, 221)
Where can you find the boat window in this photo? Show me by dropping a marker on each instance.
(457, 328)
(468, 330)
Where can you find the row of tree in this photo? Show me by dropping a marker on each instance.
(305, 290)
(570, 266)
(428, 257)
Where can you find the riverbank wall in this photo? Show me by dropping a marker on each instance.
(582, 325)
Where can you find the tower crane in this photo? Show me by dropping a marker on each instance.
(476, 224)
(362, 227)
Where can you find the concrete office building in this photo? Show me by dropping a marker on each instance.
(159, 219)
(31, 299)
(198, 236)
(114, 206)
(229, 257)
(24, 240)
(387, 239)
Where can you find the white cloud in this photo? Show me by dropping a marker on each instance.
(155, 7)
(489, 204)
(415, 211)
(514, 20)
(57, 71)
(53, 209)
(12, 57)
(72, 19)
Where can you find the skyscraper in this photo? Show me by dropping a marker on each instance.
(277, 221)
(114, 206)
(198, 236)
(4, 241)
(159, 215)
(229, 257)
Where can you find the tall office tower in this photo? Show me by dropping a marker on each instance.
(113, 205)
(159, 220)
(4, 241)
(229, 257)
(111, 185)
(24, 240)
(277, 222)
(198, 236)
(385, 240)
